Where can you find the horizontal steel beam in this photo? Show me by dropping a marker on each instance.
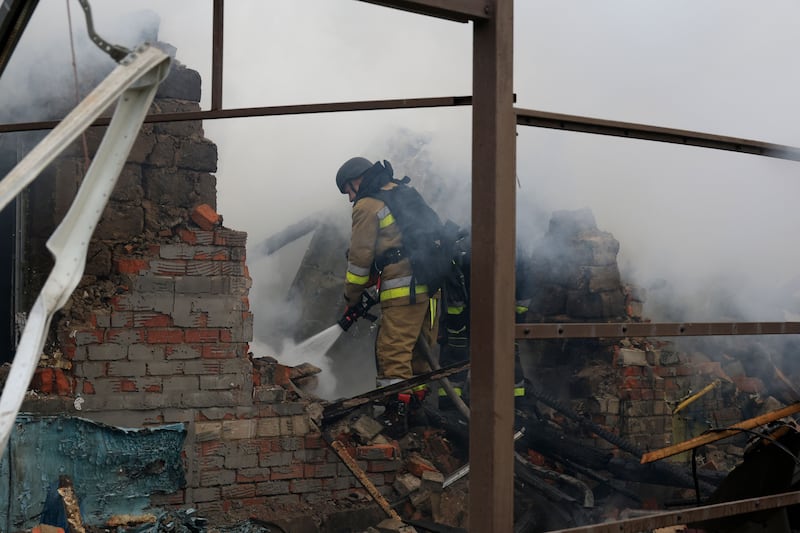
(457, 10)
(690, 516)
(242, 112)
(653, 329)
(542, 119)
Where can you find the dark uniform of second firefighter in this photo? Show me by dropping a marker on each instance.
(454, 330)
(374, 232)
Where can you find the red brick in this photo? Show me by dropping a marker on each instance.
(631, 383)
(313, 441)
(68, 350)
(187, 236)
(151, 320)
(43, 380)
(254, 503)
(211, 448)
(204, 216)
(202, 335)
(218, 351)
(287, 472)
(257, 478)
(127, 385)
(130, 336)
(632, 371)
(169, 267)
(131, 265)
(383, 466)
(748, 384)
(282, 374)
(63, 383)
(153, 388)
(417, 464)
(88, 388)
(165, 336)
(377, 452)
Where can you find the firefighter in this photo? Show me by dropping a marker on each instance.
(374, 233)
(454, 326)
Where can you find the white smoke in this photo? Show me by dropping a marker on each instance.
(709, 232)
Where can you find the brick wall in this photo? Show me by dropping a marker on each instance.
(159, 328)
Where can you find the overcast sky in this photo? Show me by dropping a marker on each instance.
(692, 216)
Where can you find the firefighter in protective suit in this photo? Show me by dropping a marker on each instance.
(454, 332)
(370, 261)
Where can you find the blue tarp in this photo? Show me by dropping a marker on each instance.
(113, 470)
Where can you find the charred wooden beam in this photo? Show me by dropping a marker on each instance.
(686, 516)
(288, 235)
(339, 408)
(719, 435)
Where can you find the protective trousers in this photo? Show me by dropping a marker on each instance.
(395, 348)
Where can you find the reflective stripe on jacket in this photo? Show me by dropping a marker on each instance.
(374, 231)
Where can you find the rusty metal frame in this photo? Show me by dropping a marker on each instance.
(494, 161)
(690, 516)
(493, 230)
(589, 330)
(457, 10)
(630, 130)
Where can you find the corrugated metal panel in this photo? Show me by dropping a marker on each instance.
(114, 470)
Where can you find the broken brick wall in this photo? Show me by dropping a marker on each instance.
(628, 386)
(158, 330)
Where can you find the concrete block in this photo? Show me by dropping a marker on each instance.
(366, 427)
(269, 394)
(276, 459)
(238, 461)
(145, 352)
(239, 429)
(268, 427)
(149, 283)
(182, 351)
(176, 251)
(223, 382)
(126, 368)
(206, 494)
(290, 408)
(632, 357)
(272, 488)
(204, 268)
(299, 486)
(214, 478)
(181, 383)
(205, 431)
(407, 483)
(106, 352)
(432, 481)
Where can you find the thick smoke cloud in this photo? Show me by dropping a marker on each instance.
(709, 233)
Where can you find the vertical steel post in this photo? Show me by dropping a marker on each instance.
(492, 283)
(216, 54)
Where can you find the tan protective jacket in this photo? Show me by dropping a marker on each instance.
(374, 232)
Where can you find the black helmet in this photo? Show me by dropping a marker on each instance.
(352, 169)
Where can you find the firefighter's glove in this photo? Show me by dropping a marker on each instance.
(358, 310)
(349, 317)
